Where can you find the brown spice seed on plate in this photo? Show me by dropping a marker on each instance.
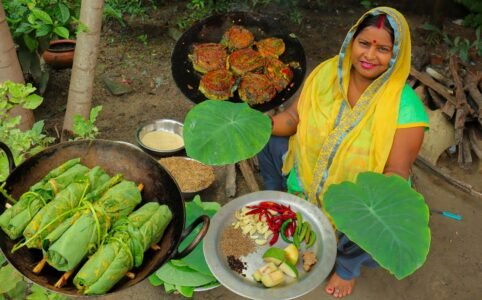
(191, 175)
(235, 243)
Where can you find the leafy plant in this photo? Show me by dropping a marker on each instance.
(86, 129)
(220, 132)
(120, 10)
(33, 25)
(21, 143)
(474, 18)
(143, 39)
(385, 217)
(367, 4)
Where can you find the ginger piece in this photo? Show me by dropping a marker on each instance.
(309, 259)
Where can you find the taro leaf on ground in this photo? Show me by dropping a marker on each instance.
(220, 132)
(385, 217)
(182, 276)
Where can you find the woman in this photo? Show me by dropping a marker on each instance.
(355, 114)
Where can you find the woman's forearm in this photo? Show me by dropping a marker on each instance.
(286, 122)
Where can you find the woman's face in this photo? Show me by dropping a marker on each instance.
(371, 52)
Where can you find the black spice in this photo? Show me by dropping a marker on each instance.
(236, 264)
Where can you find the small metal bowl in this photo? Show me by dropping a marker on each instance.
(159, 125)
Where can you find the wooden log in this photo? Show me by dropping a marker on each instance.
(461, 104)
(467, 154)
(431, 83)
(441, 78)
(471, 85)
(230, 185)
(436, 99)
(421, 162)
(475, 138)
(248, 176)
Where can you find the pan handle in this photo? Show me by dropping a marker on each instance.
(8, 152)
(201, 219)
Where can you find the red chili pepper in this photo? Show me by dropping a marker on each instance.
(274, 239)
(255, 211)
(285, 71)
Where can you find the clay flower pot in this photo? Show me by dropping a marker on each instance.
(60, 54)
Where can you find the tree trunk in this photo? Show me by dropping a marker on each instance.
(83, 71)
(10, 69)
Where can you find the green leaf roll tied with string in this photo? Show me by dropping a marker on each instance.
(87, 233)
(14, 220)
(124, 248)
(62, 209)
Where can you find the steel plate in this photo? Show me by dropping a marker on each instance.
(324, 248)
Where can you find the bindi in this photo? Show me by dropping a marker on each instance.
(374, 41)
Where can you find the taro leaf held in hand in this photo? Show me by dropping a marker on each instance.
(219, 133)
(385, 217)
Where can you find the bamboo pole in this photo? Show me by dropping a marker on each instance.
(81, 86)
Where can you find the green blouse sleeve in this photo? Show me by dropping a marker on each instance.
(412, 112)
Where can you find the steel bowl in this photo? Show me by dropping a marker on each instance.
(159, 125)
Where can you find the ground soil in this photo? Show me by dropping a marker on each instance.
(453, 269)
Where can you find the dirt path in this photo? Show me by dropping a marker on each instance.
(454, 266)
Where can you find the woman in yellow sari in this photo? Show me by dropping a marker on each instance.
(355, 113)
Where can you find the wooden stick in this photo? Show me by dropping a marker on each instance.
(475, 141)
(130, 275)
(471, 82)
(431, 83)
(437, 100)
(230, 185)
(155, 247)
(441, 78)
(467, 155)
(248, 176)
(63, 279)
(461, 105)
(422, 162)
(140, 187)
(39, 267)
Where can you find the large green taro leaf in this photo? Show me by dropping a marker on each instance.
(385, 217)
(221, 132)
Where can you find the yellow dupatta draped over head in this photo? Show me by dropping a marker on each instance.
(334, 142)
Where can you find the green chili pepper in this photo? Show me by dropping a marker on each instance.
(303, 229)
(312, 239)
(307, 235)
(299, 221)
(283, 229)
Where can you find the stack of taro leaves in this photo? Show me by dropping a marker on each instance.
(240, 63)
(75, 212)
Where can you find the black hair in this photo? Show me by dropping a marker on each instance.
(373, 20)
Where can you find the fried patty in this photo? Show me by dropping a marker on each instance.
(208, 57)
(245, 60)
(217, 84)
(271, 47)
(278, 72)
(237, 37)
(256, 89)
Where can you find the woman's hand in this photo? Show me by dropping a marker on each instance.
(405, 147)
(286, 122)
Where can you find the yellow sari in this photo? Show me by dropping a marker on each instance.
(334, 142)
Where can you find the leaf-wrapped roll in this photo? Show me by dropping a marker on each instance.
(124, 248)
(14, 220)
(88, 231)
(64, 205)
